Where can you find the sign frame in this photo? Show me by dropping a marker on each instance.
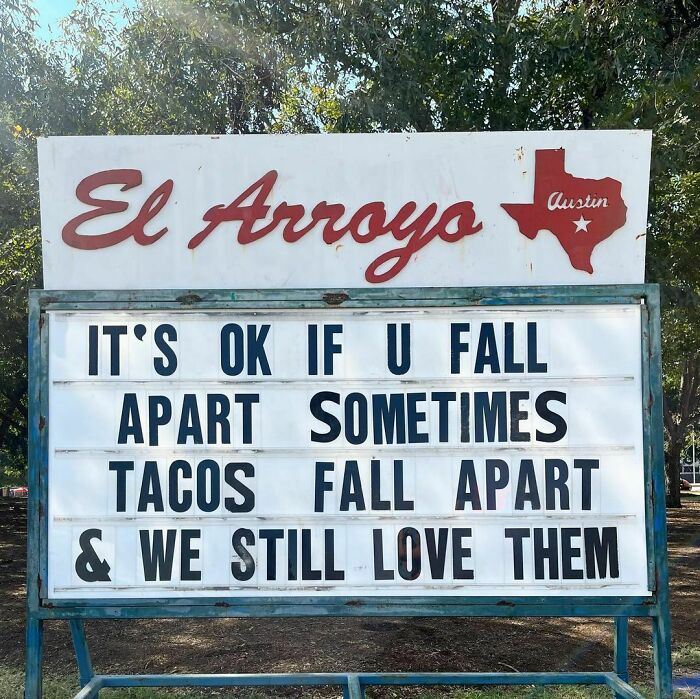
(655, 606)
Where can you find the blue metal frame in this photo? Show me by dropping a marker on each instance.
(656, 607)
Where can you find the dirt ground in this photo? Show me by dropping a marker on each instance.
(362, 644)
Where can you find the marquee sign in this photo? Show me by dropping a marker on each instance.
(402, 451)
(405, 374)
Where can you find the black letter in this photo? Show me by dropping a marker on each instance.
(457, 346)
(601, 548)
(550, 552)
(356, 431)
(568, 552)
(307, 572)
(188, 554)
(330, 347)
(351, 491)
(256, 350)
(517, 535)
(527, 487)
(586, 466)
(92, 350)
(247, 400)
(319, 413)
(130, 421)
(162, 333)
(517, 416)
(542, 409)
(322, 485)
(380, 573)
(208, 466)
(218, 410)
(402, 539)
(556, 483)
(490, 416)
(190, 426)
(151, 493)
(396, 367)
(173, 479)
(157, 557)
(389, 418)
(246, 568)
(159, 413)
(329, 560)
(443, 399)
(121, 467)
(467, 488)
(492, 482)
(271, 536)
(237, 332)
(533, 366)
(459, 552)
(487, 350)
(114, 332)
(230, 471)
(510, 365)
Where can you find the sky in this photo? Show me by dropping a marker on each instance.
(50, 12)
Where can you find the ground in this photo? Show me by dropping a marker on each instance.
(335, 645)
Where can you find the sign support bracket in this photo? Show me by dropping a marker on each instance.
(353, 684)
(622, 649)
(82, 652)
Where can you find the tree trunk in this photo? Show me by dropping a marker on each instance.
(673, 473)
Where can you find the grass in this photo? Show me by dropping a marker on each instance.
(687, 655)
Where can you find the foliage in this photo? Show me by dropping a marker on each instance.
(30, 94)
(246, 66)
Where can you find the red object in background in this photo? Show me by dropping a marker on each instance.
(21, 492)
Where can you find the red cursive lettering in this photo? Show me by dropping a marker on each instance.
(410, 226)
(103, 207)
(365, 225)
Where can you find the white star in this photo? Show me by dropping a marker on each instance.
(581, 224)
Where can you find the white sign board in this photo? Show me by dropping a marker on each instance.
(454, 451)
(344, 211)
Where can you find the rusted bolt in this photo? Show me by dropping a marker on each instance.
(188, 299)
(335, 298)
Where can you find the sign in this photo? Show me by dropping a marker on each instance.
(351, 210)
(408, 451)
(386, 374)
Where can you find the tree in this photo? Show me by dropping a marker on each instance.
(677, 243)
(512, 64)
(31, 100)
(245, 66)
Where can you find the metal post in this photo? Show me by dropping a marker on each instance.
(693, 433)
(82, 652)
(621, 649)
(354, 688)
(35, 624)
(661, 621)
(33, 676)
(663, 676)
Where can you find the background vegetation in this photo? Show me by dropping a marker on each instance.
(250, 66)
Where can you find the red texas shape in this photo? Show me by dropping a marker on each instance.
(579, 212)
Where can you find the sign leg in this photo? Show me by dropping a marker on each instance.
(82, 652)
(661, 636)
(33, 673)
(353, 689)
(621, 649)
